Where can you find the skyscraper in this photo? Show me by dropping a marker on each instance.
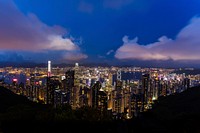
(49, 69)
(95, 91)
(145, 88)
(53, 84)
(69, 87)
(99, 97)
(76, 88)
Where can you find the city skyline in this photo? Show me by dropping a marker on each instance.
(161, 33)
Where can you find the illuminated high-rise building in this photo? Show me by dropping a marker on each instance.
(117, 98)
(102, 101)
(59, 98)
(49, 69)
(164, 88)
(53, 85)
(126, 100)
(84, 96)
(145, 89)
(76, 88)
(135, 105)
(95, 91)
(156, 89)
(32, 86)
(110, 94)
(49, 89)
(99, 97)
(110, 78)
(72, 88)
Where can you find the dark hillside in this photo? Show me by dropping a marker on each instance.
(175, 113)
(179, 112)
(9, 99)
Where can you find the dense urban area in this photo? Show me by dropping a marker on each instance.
(105, 99)
(99, 66)
(120, 92)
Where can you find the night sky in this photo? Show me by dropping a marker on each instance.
(135, 32)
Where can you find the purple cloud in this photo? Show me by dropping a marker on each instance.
(186, 46)
(27, 33)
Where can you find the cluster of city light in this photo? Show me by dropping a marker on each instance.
(122, 95)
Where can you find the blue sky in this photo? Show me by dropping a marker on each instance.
(110, 31)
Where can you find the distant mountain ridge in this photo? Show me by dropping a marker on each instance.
(28, 64)
(33, 64)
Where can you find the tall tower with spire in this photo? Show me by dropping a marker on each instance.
(49, 91)
(49, 69)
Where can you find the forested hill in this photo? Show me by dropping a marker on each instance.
(9, 99)
(178, 105)
(175, 113)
